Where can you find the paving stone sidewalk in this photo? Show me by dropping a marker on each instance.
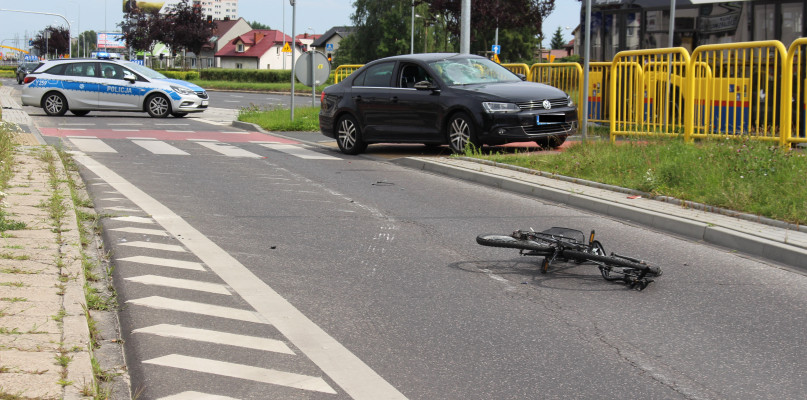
(44, 339)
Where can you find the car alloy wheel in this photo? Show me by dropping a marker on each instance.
(461, 133)
(55, 104)
(158, 106)
(348, 136)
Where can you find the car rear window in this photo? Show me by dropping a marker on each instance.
(378, 75)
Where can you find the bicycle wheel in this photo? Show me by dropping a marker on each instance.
(509, 242)
(613, 261)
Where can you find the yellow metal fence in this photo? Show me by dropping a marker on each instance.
(343, 71)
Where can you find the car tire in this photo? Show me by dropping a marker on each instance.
(158, 106)
(461, 133)
(54, 104)
(348, 136)
(550, 142)
(179, 114)
(80, 113)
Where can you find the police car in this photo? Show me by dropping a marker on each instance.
(84, 85)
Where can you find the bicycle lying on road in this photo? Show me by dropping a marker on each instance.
(570, 245)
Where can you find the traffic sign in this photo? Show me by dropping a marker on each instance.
(329, 47)
(286, 48)
(496, 49)
(312, 68)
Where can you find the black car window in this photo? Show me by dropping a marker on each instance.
(378, 75)
(81, 69)
(412, 74)
(56, 69)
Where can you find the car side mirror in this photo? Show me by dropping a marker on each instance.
(128, 76)
(522, 76)
(426, 85)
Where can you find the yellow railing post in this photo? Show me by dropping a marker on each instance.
(343, 71)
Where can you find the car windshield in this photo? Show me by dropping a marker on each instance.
(469, 71)
(145, 71)
(30, 65)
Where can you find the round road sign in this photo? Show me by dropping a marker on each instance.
(312, 68)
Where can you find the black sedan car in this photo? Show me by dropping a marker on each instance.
(458, 99)
(24, 69)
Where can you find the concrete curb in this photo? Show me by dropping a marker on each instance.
(679, 224)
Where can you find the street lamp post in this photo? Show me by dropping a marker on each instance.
(69, 48)
(412, 40)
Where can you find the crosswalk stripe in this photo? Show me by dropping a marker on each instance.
(155, 246)
(180, 284)
(209, 336)
(232, 370)
(159, 147)
(91, 145)
(164, 303)
(227, 149)
(137, 220)
(155, 232)
(165, 262)
(299, 151)
(191, 395)
(124, 209)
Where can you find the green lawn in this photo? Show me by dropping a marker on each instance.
(279, 120)
(741, 175)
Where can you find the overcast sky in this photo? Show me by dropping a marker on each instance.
(320, 15)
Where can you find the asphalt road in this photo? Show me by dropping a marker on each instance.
(352, 277)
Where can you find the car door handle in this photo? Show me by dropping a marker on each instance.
(356, 98)
(394, 99)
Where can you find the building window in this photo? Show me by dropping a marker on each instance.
(239, 48)
(239, 65)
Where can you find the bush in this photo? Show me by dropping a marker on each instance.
(183, 75)
(246, 75)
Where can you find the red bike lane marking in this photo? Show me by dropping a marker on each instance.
(233, 137)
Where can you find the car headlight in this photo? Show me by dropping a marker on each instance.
(494, 107)
(569, 101)
(183, 91)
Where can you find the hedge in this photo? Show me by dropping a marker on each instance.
(183, 75)
(246, 75)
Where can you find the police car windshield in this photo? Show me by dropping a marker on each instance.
(145, 71)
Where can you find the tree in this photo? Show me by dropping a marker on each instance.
(557, 40)
(52, 40)
(258, 25)
(141, 28)
(184, 27)
(85, 43)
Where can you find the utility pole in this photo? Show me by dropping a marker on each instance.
(465, 27)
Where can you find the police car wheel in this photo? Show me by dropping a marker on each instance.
(54, 104)
(158, 106)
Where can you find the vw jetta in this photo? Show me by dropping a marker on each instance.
(456, 99)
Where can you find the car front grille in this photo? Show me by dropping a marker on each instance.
(539, 104)
(202, 95)
(549, 129)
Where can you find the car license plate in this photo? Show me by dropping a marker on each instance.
(204, 102)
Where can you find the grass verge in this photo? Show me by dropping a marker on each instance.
(256, 86)
(278, 120)
(737, 174)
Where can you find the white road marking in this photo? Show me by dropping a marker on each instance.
(159, 147)
(126, 124)
(232, 370)
(156, 246)
(123, 209)
(212, 310)
(137, 220)
(91, 145)
(355, 377)
(228, 149)
(155, 232)
(299, 151)
(190, 395)
(113, 199)
(165, 262)
(211, 122)
(180, 284)
(208, 336)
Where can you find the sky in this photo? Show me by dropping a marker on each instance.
(319, 15)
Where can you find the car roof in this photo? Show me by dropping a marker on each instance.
(428, 57)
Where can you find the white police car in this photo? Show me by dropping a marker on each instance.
(84, 85)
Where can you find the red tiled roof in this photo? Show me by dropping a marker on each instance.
(256, 43)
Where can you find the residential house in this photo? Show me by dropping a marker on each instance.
(307, 40)
(258, 49)
(332, 37)
(224, 31)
